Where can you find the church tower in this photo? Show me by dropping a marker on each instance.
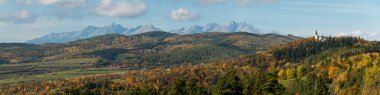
(316, 37)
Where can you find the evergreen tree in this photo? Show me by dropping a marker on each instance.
(193, 87)
(296, 86)
(179, 87)
(272, 87)
(321, 85)
(228, 84)
(248, 86)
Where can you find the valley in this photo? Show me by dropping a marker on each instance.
(304, 66)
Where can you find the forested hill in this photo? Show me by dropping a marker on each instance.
(336, 66)
(148, 48)
(309, 51)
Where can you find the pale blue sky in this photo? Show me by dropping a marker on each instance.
(22, 20)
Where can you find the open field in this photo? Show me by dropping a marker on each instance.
(61, 75)
(19, 72)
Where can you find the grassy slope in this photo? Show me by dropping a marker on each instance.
(27, 71)
(61, 75)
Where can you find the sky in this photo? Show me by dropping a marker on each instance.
(22, 20)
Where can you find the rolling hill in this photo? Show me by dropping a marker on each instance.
(150, 47)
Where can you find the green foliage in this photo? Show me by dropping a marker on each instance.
(193, 55)
(312, 84)
(142, 91)
(247, 85)
(109, 54)
(302, 70)
(297, 86)
(146, 48)
(299, 50)
(193, 87)
(179, 87)
(188, 87)
(228, 84)
(272, 87)
(321, 85)
(102, 63)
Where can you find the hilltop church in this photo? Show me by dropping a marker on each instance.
(317, 37)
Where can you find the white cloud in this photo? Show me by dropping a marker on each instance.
(182, 14)
(24, 2)
(251, 2)
(59, 3)
(71, 3)
(358, 33)
(237, 2)
(21, 16)
(207, 2)
(120, 9)
(47, 2)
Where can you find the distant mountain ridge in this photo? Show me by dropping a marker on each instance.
(92, 31)
(149, 47)
(215, 27)
(114, 28)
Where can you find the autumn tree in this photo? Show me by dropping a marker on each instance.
(321, 85)
(179, 87)
(272, 87)
(282, 74)
(290, 73)
(193, 87)
(228, 84)
(301, 70)
(372, 80)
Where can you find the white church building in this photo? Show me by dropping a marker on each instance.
(317, 37)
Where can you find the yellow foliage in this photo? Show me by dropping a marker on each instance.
(290, 73)
(331, 71)
(115, 86)
(281, 74)
(371, 81)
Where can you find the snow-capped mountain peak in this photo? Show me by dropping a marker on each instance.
(92, 31)
(141, 29)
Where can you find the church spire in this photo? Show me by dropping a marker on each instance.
(316, 32)
(316, 37)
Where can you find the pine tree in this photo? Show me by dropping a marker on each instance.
(179, 87)
(228, 84)
(272, 87)
(193, 87)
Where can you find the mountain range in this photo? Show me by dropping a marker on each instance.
(114, 28)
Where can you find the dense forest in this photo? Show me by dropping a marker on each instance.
(338, 65)
(151, 47)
